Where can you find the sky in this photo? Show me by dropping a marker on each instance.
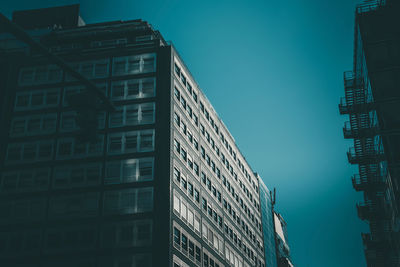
(273, 70)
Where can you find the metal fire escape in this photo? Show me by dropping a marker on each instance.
(368, 155)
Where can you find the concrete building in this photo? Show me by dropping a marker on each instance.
(372, 103)
(161, 183)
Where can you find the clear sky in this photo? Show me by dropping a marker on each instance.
(273, 71)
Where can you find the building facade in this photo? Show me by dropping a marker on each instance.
(161, 184)
(372, 103)
(269, 233)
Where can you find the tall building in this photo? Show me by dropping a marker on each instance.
(372, 103)
(267, 216)
(162, 183)
(282, 243)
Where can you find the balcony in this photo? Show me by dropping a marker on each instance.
(370, 183)
(365, 157)
(350, 133)
(349, 79)
(372, 210)
(349, 107)
(370, 6)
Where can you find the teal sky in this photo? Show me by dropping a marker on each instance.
(273, 71)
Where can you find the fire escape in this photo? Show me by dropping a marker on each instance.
(368, 154)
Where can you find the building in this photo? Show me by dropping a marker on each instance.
(267, 216)
(282, 243)
(161, 184)
(372, 103)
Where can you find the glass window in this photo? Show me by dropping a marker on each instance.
(177, 236)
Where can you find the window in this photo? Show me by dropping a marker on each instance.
(177, 146)
(190, 189)
(34, 151)
(177, 94)
(198, 254)
(128, 201)
(132, 115)
(197, 224)
(177, 119)
(196, 168)
(78, 175)
(146, 140)
(25, 180)
(184, 242)
(91, 69)
(177, 175)
(40, 75)
(177, 204)
(134, 64)
(33, 125)
(69, 147)
(177, 237)
(129, 142)
(74, 205)
(129, 170)
(191, 249)
(37, 99)
(133, 89)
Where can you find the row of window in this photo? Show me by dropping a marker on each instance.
(133, 89)
(225, 162)
(129, 170)
(214, 240)
(187, 187)
(69, 147)
(130, 142)
(78, 175)
(185, 211)
(31, 151)
(230, 188)
(207, 181)
(188, 245)
(130, 115)
(68, 121)
(225, 142)
(209, 118)
(25, 180)
(40, 75)
(120, 90)
(185, 157)
(247, 210)
(33, 125)
(126, 201)
(118, 143)
(182, 78)
(240, 243)
(36, 99)
(131, 233)
(186, 107)
(125, 234)
(134, 64)
(185, 131)
(228, 207)
(91, 69)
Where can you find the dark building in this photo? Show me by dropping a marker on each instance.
(162, 183)
(372, 103)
